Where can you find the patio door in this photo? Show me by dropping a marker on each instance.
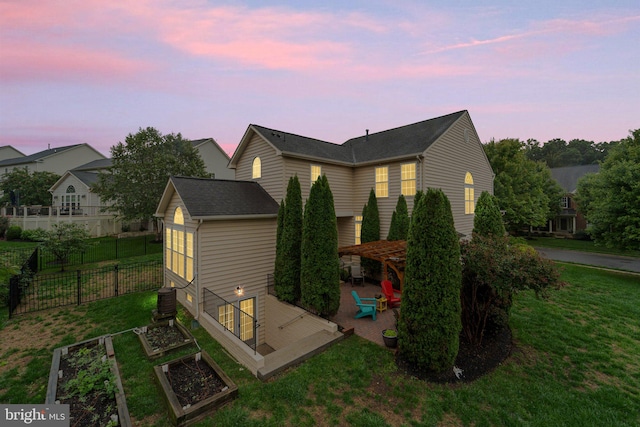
(240, 319)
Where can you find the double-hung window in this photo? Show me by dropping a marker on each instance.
(316, 172)
(382, 181)
(408, 179)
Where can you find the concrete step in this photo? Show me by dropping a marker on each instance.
(297, 352)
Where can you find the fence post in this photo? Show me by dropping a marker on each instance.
(79, 281)
(115, 279)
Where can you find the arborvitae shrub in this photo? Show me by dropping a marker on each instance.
(429, 325)
(370, 232)
(320, 267)
(487, 220)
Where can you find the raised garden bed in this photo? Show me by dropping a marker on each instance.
(85, 375)
(162, 337)
(194, 386)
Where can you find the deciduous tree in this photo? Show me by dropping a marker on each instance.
(22, 188)
(141, 167)
(64, 239)
(610, 199)
(525, 189)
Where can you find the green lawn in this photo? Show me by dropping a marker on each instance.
(575, 364)
(578, 245)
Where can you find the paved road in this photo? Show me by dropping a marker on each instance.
(601, 260)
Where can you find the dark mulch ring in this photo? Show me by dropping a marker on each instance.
(162, 337)
(91, 401)
(193, 382)
(473, 361)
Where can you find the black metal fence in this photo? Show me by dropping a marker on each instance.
(29, 292)
(105, 249)
(234, 320)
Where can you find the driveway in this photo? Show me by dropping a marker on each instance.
(588, 258)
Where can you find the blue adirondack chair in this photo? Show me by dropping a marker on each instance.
(365, 309)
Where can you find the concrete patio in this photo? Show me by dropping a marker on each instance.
(365, 327)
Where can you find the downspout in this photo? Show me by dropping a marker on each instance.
(420, 162)
(197, 243)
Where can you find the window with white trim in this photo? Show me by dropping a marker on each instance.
(469, 196)
(179, 246)
(256, 168)
(316, 172)
(408, 179)
(564, 203)
(382, 181)
(358, 230)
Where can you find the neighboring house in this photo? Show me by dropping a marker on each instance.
(56, 160)
(8, 152)
(214, 157)
(570, 220)
(215, 244)
(73, 199)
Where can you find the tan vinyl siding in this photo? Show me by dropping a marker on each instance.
(446, 163)
(365, 180)
(340, 180)
(272, 167)
(237, 253)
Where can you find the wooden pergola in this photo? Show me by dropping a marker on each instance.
(392, 254)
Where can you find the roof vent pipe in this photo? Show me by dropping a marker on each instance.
(366, 138)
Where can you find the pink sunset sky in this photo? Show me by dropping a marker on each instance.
(93, 71)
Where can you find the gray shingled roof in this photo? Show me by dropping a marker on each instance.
(290, 143)
(94, 165)
(568, 176)
(217, 197)
(406, 140)
(88, 178)
(403, 141)
(36, 156)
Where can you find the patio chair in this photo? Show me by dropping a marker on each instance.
(357, 274)
(387, 290)
(365, 309)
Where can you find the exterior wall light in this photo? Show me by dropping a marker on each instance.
(239, 291)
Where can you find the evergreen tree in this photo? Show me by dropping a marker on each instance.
(488, 220)
(416, 199)
(289, 289)
(399, 221)
(320, 267)
(370, 231)
(277, 270)
(429, 327)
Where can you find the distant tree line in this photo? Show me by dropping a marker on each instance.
(558, 153)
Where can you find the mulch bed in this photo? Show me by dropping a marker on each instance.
(193, 382)
(163, 337)
(474, 361)
(87, 408)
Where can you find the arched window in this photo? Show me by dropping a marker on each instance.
(469, 196)
(70, 200)
(257, 168)
(179, 247)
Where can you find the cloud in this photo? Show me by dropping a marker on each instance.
(564, 28)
